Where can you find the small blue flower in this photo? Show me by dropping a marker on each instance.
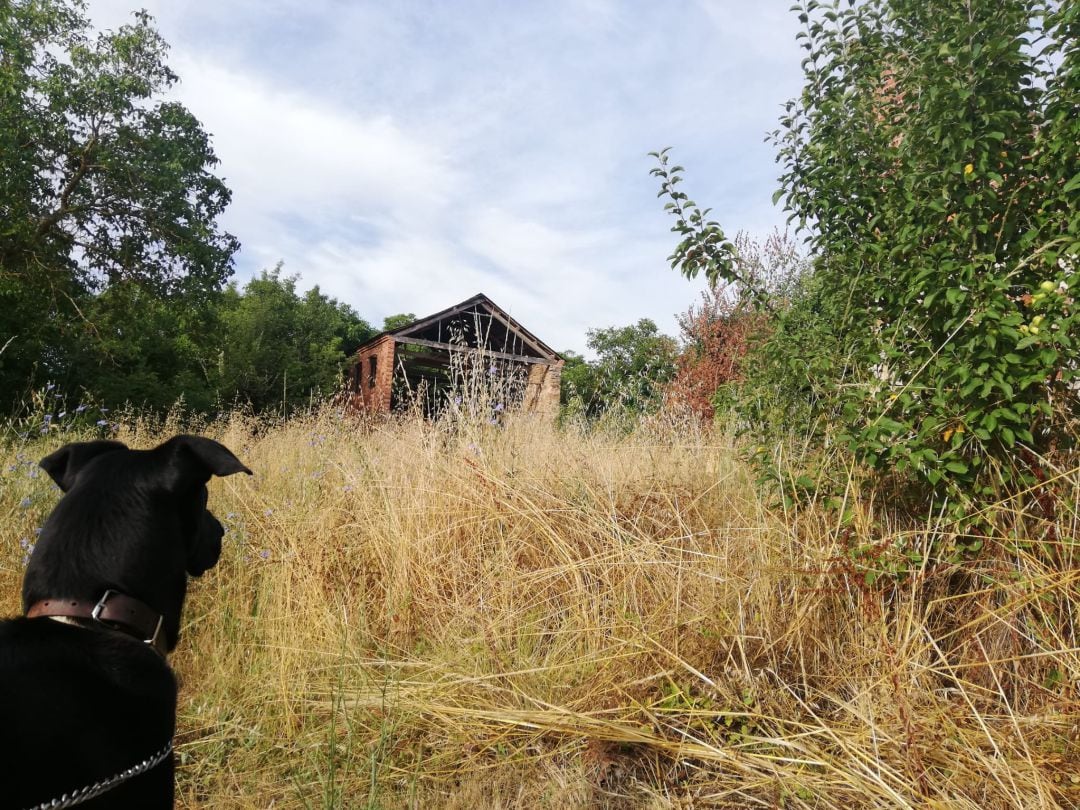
(347, 488)
(231, 516)
(102, 422)
(24, 503)
(80, 409)
(499, 407)
(48, 418)
(265, 554)
(50, 387)
(268, 512)
(61, 415)
(24, 543)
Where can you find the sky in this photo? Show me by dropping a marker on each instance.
(405, 156)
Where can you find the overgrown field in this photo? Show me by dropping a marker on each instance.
(418, 615)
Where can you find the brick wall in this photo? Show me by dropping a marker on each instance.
(374, 394)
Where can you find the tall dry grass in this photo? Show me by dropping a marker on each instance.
(473, 616)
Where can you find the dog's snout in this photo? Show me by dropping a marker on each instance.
(206, 546)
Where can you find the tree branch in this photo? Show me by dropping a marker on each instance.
(50, 220)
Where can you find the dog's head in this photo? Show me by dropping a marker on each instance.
(135, 521)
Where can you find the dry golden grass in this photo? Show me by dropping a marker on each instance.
(418, 615)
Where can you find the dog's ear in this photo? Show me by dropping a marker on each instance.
(192, 460)
(64, 465)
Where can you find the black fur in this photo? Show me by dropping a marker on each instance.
(80, 705)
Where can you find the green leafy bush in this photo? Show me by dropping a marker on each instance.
(932, 162)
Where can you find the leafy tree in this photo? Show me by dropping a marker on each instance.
(353, 330)
(148, 351)
(102, 186)
(577, 381)
(633, 364)
(391, 322)
(932, 159)
(282, 348)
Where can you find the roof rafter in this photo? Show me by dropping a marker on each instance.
(486, 307)
(454, 347)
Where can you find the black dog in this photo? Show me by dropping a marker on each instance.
(87, 699)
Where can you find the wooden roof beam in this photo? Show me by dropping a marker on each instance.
(451, 347)
(527, 337)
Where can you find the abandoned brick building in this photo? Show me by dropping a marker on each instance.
(436, 360)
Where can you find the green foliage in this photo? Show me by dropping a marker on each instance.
(920, 152)
(146, 350)
(112, 263)
(704, 247)
(392, 322)
(103, 186)
(632, 366)
(578, 379)
(932, 160)
(283, 349)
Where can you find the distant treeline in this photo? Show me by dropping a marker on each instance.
(263, 345)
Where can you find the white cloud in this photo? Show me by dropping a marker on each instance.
(406, 156)
(284, 154)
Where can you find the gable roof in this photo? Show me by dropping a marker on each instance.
(478, 305)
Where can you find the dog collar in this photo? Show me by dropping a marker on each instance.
(114, 610)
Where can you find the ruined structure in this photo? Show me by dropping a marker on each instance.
(472, 350)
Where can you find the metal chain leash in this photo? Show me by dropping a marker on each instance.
(93, 791)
